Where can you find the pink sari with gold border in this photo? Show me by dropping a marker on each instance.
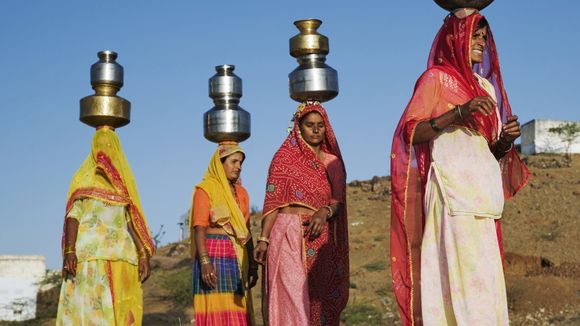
(306, 281)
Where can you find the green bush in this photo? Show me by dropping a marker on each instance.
(179, 286)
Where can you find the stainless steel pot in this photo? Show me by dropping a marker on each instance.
(226, 121)
(451, 5)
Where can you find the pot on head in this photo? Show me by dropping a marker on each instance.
(105, 108)
(226, 121)
(313, 80)
(451, 5)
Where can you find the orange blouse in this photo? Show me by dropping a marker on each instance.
(202, 206)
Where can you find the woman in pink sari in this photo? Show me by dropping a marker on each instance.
(452, 165)
(304, 239)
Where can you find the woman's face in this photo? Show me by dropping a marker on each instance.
(233, 166)
(312, 129)
(478, 41)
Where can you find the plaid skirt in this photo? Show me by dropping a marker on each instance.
(226, 304)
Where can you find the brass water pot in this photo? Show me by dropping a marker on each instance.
(313, 80)
(105, 108)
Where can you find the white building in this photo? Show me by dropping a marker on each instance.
(19, 282)
(537, 139)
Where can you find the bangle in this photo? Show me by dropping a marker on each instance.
(204, 259)
(69, 251)
(67, 248)
(264, 239)
(142, 253)
(458, 112)
(434, 126)
(500, 141)
(330, 212)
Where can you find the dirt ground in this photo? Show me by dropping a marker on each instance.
(542, 262)
(541, 232)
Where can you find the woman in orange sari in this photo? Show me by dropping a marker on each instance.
(106, 241)
(452, 165)
(224, 270)
(304, 239)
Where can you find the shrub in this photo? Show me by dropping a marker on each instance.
(179, 286)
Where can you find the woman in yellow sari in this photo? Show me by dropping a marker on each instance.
(106, 241)
(224, 270)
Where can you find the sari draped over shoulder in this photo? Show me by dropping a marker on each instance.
(105, 175)
(448, 81)
(231, 301)
(103, 198)
(298, 177)
(224, 208)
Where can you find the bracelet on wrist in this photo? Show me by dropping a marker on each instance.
(142, 254)
(458, 113)
(330, 212)
(502, 143)
(509, 148)
(70, 251)
(263, 239)
(204, 260)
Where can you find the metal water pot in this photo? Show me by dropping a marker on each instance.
(313, 80)
(226, 121)
(105, 108)
(451, 5)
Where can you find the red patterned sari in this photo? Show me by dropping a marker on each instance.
(306, 281)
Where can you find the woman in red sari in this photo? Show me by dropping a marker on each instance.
(304, 239)
(452, 165)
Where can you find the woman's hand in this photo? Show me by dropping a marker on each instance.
(253, 275)
(144, 268)
(260, 252)
(511, 130)
(317, 223)
(69, 265)
(484, 104)
(208, 275)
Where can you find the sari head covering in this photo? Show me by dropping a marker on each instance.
(225, 210)
(106, 175)
(297, 177)
(450, 60)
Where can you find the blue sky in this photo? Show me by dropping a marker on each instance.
(169, 50)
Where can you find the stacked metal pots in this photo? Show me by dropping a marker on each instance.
(105, 108)
(226, 121)
(313, 80)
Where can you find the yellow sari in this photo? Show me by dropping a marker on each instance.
(106, 292)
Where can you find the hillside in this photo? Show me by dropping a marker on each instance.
(541, 238)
